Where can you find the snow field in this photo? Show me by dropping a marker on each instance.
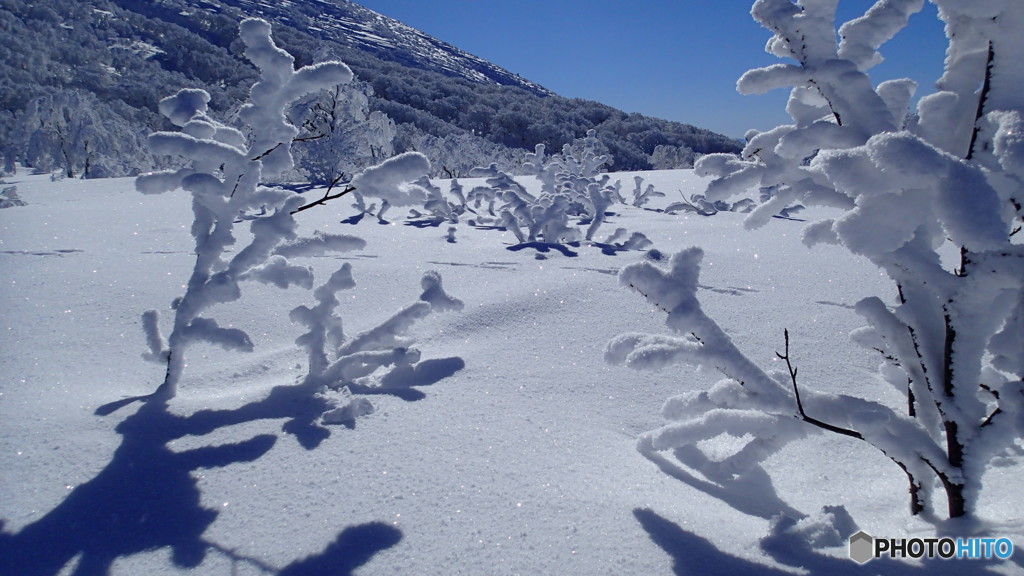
(516, 456)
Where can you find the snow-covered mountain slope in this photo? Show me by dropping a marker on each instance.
(511, 452)
(129, 54)
(350, 24)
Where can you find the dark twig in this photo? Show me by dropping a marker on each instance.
(800, 404)
(917, 504)
(267, 153)
(327, 195)
(986, 86)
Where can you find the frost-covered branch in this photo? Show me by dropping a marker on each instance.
(335, 360)
(904, 189)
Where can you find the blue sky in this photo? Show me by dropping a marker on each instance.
(673, 59)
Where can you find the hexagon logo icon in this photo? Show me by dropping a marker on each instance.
(862, 547)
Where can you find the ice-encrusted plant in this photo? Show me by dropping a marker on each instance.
(949, 180)
(224, 174)
(571, 185)
(336, 360)
(573, 194)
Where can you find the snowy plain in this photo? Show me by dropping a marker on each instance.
(511, 452)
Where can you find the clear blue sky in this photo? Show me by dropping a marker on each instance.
(673, 59)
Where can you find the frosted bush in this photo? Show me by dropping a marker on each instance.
(224, 174)
(641, 195)
(948, 179)
(571, 181)
(573, 194)
(336, 360)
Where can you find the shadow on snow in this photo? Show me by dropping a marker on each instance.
(753, 494)
(146, 498)
(693, 555)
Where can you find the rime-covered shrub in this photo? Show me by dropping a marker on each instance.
(224, 174)
(641, 195)
(572, 188)
(950, 180)
(336, 360)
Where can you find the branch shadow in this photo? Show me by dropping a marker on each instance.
(146, 497)
(544, 248)
(353, 547)
(302, 407)
(612, 249)
(297, 403)
(694, 555)
(400, 381)
(425, 222)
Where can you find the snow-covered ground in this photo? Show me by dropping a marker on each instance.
(511, 451)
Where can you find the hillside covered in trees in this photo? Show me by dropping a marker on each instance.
(80, 82)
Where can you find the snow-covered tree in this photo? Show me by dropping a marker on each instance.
(908, 194)
(454, 155)
(340, 135)
(668, 157)
(72, 131)
(224, 175)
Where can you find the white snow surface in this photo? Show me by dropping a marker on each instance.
(514, 453)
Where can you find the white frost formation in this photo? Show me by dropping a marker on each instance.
(223, 176)
(950, 179)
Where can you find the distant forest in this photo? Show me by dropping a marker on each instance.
(80, 82)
